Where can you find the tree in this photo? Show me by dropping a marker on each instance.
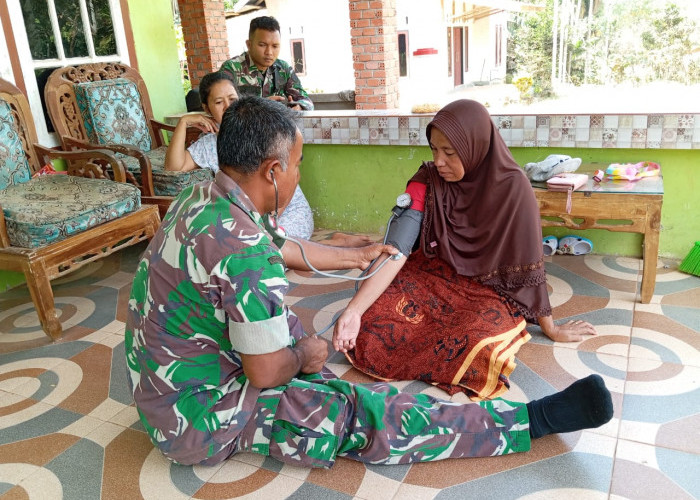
(604, 41)
(668, 46)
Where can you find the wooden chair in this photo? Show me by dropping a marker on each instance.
(51, 225)
(106, 105)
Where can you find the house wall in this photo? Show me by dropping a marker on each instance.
(354, 187)
(325, 29)
(427, 74)
(156, 53)
(482, 49)
(329, 55)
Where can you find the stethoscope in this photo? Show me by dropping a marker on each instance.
(280, 232)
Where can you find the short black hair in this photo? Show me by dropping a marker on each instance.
(253, 130)
(267, 23)
(208, 82)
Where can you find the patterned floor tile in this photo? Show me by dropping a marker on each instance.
(646, 472)
(68, 428)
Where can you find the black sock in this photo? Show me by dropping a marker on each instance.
(583, 405)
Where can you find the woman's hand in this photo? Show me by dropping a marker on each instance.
(346, 329)
(177, 158)
(204, 123)
(571, 331)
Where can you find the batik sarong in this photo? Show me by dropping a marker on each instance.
(434, 325)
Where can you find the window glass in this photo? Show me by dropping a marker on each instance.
(101, 27)
(70, 24)
(36, 20)
(403, 50)
(298, 57)
(42, 75)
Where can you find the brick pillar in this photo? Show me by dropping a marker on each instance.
(375, 53)
(206, 39)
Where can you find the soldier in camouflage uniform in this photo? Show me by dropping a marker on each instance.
(258, 71)
(217, 362)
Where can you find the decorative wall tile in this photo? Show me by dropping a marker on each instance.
(610, 121)
(596, 121)
(582, 121)
(504, 122)
(655, 121)
(654, 134)
(668, 131)
(640, 121)
(669, 134)
(568, 121)
(639, 134)
(686, 121)
(624, 121)
(624, 135)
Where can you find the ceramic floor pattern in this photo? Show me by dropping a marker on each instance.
(68, 429)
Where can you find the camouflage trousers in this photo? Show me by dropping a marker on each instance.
(311, 420)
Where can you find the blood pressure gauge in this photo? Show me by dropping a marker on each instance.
(403, 200)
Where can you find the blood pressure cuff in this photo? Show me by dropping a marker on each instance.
(404, 230)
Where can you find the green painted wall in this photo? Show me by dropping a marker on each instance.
(156, 53)
(354, 187)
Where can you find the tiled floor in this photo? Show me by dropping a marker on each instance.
(67, 429)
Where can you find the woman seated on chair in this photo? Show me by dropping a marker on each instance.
(454, 312)
(217, 91)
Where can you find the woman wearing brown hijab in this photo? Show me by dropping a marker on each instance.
(454, 313)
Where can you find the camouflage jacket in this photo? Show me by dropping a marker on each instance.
(278, 79)
(211, 285)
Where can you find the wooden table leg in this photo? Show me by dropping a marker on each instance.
(651, 252)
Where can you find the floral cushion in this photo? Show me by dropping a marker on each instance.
(112, 113)
(166, 182)
(51, 208)
(14, 168)
(156, 156)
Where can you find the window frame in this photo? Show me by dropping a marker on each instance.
(399, 34)
(21, 56)
(498, 59)
(303, 55)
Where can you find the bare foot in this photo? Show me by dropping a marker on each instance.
(349, 240)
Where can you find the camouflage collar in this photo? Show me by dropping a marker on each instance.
(251, 65)
(237, 196)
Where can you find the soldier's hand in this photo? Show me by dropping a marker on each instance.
(314, 351)
(367, 254)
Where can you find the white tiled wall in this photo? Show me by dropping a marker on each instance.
(655, 131)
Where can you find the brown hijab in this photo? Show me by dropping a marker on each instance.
(487, 225)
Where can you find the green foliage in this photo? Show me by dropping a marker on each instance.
(42, 42)
(668, 46)
(531, 49)
(524, 85)
(623, 41)
(229, 4)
